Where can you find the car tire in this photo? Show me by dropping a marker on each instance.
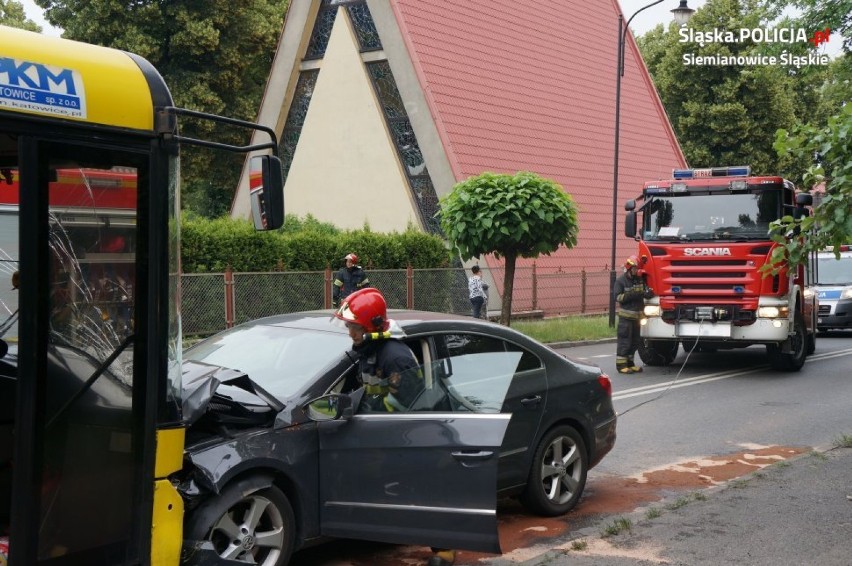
(269, 538)
(658, 352)
(558, 473)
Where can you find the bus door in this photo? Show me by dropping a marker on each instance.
(76, 354)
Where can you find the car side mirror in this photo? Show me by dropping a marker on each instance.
(329, 407)
(266, 192)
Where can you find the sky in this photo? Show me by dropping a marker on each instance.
(659, 14)
(642, 23)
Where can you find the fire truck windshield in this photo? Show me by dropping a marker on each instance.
(711, 216)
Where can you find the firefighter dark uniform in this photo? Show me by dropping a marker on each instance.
(348, 280)
(387, 368)
(388, 371)
(630, 293)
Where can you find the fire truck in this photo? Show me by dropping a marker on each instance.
(704, 238)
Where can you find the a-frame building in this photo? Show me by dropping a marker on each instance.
(381, 106)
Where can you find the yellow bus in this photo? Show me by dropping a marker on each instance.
(90, 381)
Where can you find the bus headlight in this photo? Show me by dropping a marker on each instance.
(652, 310)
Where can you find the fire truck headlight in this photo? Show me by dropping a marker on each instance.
(809, 293)
(772, 312)
(652, 310)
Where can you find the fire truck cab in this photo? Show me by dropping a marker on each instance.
(703, 237)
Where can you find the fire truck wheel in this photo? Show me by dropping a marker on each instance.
(658, 352)
(778, 360)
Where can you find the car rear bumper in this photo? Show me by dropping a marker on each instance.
(604, 440)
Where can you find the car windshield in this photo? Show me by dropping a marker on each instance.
(281, 360)
(721, 216)
(835, 271)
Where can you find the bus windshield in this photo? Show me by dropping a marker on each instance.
(720, 216)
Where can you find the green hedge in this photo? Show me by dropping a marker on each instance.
(209, 246)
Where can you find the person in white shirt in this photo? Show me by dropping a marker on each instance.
(478, 291)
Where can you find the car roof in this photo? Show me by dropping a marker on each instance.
(411, 321)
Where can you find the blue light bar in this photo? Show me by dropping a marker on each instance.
(736, 171)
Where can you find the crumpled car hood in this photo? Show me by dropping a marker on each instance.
(201, 380)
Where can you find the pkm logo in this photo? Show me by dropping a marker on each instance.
(46, 89)
(707, 251)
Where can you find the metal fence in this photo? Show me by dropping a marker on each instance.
(211, 302)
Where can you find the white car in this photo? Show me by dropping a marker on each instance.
(834, 290)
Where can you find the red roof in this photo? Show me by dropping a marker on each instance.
(529, 85)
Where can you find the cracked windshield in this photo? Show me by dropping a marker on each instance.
(92, 241)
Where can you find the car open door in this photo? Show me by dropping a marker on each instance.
(412, 478)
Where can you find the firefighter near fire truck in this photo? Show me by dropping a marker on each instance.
(707, 236)
(630, 292)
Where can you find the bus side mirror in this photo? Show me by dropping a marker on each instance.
(630, 224)
(266, 192)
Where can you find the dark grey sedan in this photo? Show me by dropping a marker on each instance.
(280, 454)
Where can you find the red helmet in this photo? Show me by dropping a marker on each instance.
(632, 261)
(352, 257)
(367, 308)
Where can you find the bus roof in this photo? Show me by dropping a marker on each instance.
(59, 78)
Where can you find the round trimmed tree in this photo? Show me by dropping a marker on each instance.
(510, 216)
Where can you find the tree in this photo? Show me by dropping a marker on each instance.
(508, 216)
(723, 114)
(835, 15)
(214, 55)
(830, 150)
(12, 14)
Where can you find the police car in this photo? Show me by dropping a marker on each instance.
(834, 289)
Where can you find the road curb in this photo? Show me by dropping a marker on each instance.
(574, 343)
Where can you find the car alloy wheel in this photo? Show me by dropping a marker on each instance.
(558, 473)
(255, 528)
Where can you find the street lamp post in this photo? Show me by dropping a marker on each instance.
(681, 15)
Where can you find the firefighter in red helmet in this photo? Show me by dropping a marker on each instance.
(630, 292)
(348, 279)
(387, 368)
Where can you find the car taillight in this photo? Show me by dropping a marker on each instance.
(603, 379)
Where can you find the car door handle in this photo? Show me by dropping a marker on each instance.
(479, 455)
(530, 401)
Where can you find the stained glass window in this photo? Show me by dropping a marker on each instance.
(365, 29)
(296, 118)
(322, 30)
(406, 143)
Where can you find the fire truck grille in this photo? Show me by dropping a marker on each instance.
(708, 262)
(724, 275)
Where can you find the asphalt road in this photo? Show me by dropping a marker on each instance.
(698, 426)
